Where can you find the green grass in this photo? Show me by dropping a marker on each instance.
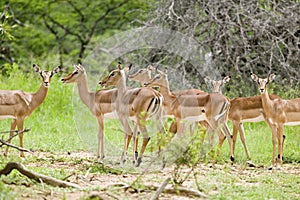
(63, 124)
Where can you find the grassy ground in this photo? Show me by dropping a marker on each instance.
(63, 141)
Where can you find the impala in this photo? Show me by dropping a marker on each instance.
(212, 108)
(144, 75)
(278, 112)
(242, 109)
(18, 105)
(100, 103)
(139, 104)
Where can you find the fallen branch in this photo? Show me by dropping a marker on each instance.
(35, 176)
(10, 145)
(13, 146)
(178, 190)
(160, 189)
(25, 130)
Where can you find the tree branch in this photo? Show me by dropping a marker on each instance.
(35, 176)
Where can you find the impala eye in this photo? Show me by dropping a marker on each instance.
(76, 72)
(112, 74)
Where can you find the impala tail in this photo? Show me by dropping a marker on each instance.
(224, 110)
(155, 106)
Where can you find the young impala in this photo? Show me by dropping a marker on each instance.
(242, 109)
(278, 112)
(139, 104)
(19, 105)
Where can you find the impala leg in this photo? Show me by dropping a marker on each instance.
(280, 144)
(274, 137)
(173, 127)
(146, 139)
(205, 124)
(180, 128)
(243, 139)
(229, 138)
(160, 130)
(222, 138)
(100, 149)
(20, 128)
(135, 143)
(12, 128)
(127, 138)
(235, 129)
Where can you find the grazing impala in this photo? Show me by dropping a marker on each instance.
(18, 105)
(242, 109)
(100, 103)
(140, 104)
(212, 108)
(278, 112)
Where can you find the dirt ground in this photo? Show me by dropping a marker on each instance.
(112, 182)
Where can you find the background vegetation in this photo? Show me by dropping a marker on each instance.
(240, 36)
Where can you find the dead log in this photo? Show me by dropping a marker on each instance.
(35, 176)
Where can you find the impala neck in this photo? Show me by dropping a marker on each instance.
(85, 95)
(121, 85)
(165, 89)
(266, 101)
(39, 96)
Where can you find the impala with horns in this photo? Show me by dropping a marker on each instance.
(18, 105)
(278, 113)
(139, 104)
(212, 108)
(100, 103)
(242, 109)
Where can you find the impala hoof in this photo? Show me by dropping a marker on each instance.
(139, 161)
(271, 167)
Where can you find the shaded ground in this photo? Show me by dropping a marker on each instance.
(106, 181)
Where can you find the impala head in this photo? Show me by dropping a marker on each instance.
(73, 76)
(217, 85)
(159, 80)
(46, 75)
(142, 74)
(263, 82)
(115, 76)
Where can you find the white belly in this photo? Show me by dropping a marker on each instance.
(196, 118)
(292, 123)
(256, 119)
(7, 117)
(111, 115)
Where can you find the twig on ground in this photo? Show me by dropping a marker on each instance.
(13, 146)
(160, 189)
(35, 176)
(25, 130)
(178, 190)
(18, 132)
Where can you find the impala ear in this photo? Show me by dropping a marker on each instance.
(207, 80)
(254, 77)
(36, 68)
(56, 70)
(119, 65)
(226, 79)
(151, 68)
(271, 77)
